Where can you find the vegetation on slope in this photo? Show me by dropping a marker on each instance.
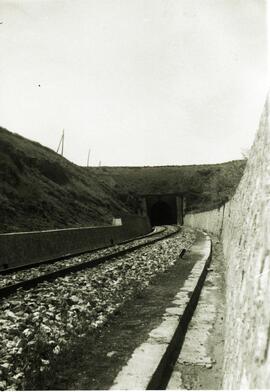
(204, 186)
(41, 190)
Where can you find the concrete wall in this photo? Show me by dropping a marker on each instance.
(245, 234)
(24, 248)
(210, 221)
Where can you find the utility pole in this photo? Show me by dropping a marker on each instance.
(63, 138)
(88, 157)
(61, 143)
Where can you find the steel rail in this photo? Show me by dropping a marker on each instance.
(71, 255)
(30, 283)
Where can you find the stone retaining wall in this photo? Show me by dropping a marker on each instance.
(31, 247)
(244, 225)
(211, 221)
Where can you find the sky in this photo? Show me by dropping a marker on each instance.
(140, 82)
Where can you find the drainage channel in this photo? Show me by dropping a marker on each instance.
(94, 362)
(151, 364)
(139, 346)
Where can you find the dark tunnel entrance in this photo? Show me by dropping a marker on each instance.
(161, 214)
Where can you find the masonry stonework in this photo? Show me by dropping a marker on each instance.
(244, 227)
(211, 221)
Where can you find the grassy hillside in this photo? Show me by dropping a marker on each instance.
(41, 190)
(205, 186)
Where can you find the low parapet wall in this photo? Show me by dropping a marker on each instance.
(31, 247)
(244, 228)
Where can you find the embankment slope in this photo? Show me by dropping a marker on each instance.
(40, 190)
(205, 186)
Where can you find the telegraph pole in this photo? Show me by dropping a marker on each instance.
(63, 138)
(61, 143)
(88, 157)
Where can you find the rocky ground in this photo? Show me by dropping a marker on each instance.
(40, 324)
(44, 268)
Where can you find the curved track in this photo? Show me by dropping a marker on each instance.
(28, 266)
(74, 264)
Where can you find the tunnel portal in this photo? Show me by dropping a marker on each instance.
(163, 209)
(161, 214)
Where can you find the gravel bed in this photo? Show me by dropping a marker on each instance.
(39, 324)
(19, 276)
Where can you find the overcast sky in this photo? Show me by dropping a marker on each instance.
(140, 82)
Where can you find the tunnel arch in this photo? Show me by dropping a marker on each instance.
(161, 214)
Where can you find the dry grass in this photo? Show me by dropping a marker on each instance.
(41, 190)
(205, 186)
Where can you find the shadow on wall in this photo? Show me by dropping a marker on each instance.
(162, 214)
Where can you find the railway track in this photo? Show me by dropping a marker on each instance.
(8, 271)
(41, 326)
(27, 277)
